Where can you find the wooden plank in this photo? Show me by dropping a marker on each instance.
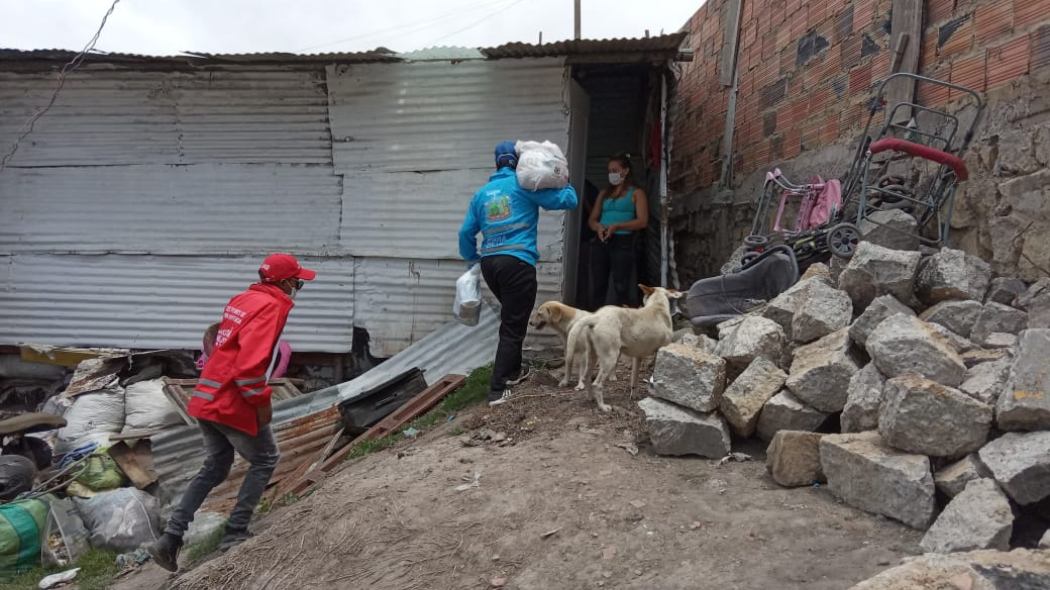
(136, 461)
(906, 37)
(730, 41)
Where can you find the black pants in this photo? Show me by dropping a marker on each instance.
(613, 259)
(513, 282)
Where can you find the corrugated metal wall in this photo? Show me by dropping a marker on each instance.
(145, 198)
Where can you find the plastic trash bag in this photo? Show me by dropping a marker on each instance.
(22, 527)
(121, 520)
(147, 408)
(467, 305)
(541, 166)
(16, 476)
(67, 537)
(100, 473)
(93, 417)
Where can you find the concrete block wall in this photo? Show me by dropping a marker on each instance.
(807, 70)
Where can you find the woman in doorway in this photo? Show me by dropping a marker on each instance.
(621, 211)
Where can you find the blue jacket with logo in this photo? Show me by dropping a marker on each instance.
(507, 217)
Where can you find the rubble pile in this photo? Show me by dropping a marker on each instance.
(913, 384)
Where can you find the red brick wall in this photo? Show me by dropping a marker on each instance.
(807, 68)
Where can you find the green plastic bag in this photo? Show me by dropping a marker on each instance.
(101, 473)
(21, 532)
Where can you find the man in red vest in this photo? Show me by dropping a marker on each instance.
(232, 403)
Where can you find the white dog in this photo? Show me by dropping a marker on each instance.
(561, 318)
(611, 331)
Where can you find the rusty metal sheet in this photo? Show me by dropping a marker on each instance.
(95, 374)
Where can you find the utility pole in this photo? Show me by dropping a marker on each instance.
(576, 19)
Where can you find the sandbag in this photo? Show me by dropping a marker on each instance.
(93, 417)
(147, 408)
(100, 473)
(467, 305)
(121, 520)
(16, 476)
(541, 166)
(22, 526)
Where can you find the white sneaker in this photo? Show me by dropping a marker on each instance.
(496, 399)
(521, 378)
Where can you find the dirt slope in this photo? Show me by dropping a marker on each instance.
(395, 520)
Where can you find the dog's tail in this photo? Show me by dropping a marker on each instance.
(580, 330)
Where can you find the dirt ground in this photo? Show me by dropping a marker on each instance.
(560, 503)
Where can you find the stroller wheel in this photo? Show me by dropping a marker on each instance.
(755, 241)
(843, 239)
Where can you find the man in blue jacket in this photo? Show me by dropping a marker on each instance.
(507, 217)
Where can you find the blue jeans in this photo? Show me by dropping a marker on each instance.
(220, 442)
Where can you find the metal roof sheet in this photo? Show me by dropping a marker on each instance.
(664, 46)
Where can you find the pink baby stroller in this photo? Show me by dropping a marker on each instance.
(818, 202)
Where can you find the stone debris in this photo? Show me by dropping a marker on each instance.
(1025, 401)
(867, 474)
(957, 342)
(1021, 569)
(1044, 543)
(998, 318)
(953, 274)
(793, 458)
(986, 381)
(743, 400)
(979, 356)
(781, 309)
(674, 430)
(1039, 290)
(786, 412)
(1005, 290)
(892, 228)
(817, 271)
(821, 371)
(957, 316)
(1000, 340)
(741, 342)
(863, 400)
(881, 308)
(905, 344)
(874, 271)
(689, 377)
(978, 518)
(922, 416)
(821, 311)
(952, 480)
(1021, 464)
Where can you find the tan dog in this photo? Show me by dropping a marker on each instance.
(612, 331)
(561, 318)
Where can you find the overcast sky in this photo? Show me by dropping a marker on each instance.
(163, 27)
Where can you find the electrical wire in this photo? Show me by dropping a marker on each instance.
(410, 27)
(30, 124)
(475, 23)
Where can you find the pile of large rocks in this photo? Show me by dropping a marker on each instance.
(905, 375)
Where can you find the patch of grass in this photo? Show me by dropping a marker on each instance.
(97, 569)
(205, 546)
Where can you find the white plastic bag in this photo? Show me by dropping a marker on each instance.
(541, 166)
(93, 417)
(147, 408)
(467, 305)
(121, 520)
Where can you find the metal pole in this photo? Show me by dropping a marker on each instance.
(576, 19)
(664, 213)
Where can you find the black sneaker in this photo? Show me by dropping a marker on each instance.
(233, 538)
(523, 374)
(499, 397)
(165, 552)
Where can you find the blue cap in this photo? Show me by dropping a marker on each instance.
(506, 155)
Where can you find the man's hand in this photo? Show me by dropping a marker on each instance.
(264, 414)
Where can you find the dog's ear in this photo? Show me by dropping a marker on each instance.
(556, 312)
(647, 290)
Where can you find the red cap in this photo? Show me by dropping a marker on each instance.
(278, 267)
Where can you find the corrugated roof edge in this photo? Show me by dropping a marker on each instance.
(197, 58)
(668, 46)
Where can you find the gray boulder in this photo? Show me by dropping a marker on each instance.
(978, 518)
(674, 430)
(793, 458)
(818, 271)
(881, 308)
(743, 400)
(892, 228)
(986, 381)
(689, 377)
(1044, 543)
(1025, 402)
(750, 337)
(905, 344)
(922, 416)
(781, 309)
(821, 311)
(996, 317)
(952, 480)
(1037, 291)
(1005, 290)
(863, 400)
(820, 372)
(1000, 340)
(980, 356)
(874, 271)
(953, 274)
(786, 412)
(958, 343)
(865, 473)
(959, 316)
(1020, 569)
(1020, 462)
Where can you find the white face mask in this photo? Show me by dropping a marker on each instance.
(615, 178)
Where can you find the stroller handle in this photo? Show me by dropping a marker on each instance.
(921, 151)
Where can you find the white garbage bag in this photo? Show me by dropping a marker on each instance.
(541, 165)
(147, 408)
(93, 418)
(121, 520)
(467, 305)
